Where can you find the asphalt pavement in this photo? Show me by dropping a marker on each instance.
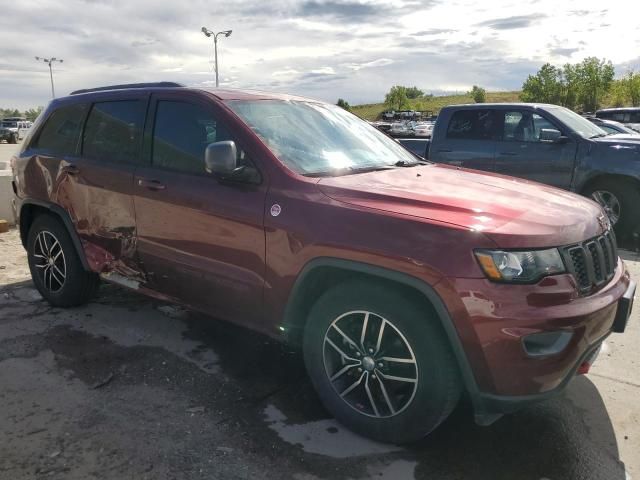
(128, 387)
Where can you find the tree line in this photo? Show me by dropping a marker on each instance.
(30, 114)
(584, 86)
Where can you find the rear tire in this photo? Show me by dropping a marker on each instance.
(396, 402)
(55, 266)
(626, 195)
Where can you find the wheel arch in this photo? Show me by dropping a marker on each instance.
(30, 209)
(322, 273)
(603, 177)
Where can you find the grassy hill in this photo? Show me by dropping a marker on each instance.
(372, 111)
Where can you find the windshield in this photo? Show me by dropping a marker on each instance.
(578, 124)
(10, 124)
(320, 139)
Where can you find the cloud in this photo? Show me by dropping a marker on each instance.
(511, 23)
(340, 10)
(564, 51)
(354, 49)
(380, 62)
(432, 31)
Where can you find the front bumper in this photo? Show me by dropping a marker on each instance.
(493, 321)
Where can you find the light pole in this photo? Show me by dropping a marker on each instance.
(50, 61)
(208, 33)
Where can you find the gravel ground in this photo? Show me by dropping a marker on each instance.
(130, 388)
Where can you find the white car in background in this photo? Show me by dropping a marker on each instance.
(400, 129)
(423, 130)
(18, 126)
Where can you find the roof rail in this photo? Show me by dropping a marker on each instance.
(127, 86)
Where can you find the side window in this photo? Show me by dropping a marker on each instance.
(114, 130)
(524, 126)
(61, 132)
(181, 134)
(472, 125)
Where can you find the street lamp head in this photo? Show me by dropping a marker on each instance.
(206, 31)
(227, 33)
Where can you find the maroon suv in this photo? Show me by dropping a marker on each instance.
(406, 283)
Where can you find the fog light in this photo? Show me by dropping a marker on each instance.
(546, 343)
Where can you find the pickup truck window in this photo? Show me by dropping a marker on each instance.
(524, 126)
(472, 125)
(318, 139)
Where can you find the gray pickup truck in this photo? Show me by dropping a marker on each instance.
(547, 144)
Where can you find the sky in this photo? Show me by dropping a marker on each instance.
(325, 49)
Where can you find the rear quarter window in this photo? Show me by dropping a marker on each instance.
(60, 134)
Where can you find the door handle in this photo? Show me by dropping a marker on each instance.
(150, 184)
(71, 169)
(508, 154)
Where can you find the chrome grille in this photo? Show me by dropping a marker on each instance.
(592, 263)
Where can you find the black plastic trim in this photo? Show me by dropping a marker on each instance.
(500, 404)
(403, 279)
(66, 220)
(127, 86)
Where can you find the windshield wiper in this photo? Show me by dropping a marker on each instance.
(598, 135)
(404, 163)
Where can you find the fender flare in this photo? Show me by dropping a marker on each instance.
(403, 279)
(64, 217)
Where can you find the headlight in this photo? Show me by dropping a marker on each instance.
(521, 267)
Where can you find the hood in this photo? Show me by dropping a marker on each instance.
(632, 141)
(512, 212)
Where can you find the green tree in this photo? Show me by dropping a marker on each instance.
(570, 86)
(546, 86)
(618, 93)
(632, 86)
(33, 113)
(478, 94)
(344, 104)
(594, 80)
(397, 98)
(414, 92)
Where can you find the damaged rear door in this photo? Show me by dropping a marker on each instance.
(100, 182)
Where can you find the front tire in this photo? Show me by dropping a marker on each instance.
(379, 362)
(56, 269)
(13, 139)
(619, 199)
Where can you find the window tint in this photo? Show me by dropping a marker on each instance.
(523, 126)
(61, 132)
(472, 125)
(113, 131)
(181, 134)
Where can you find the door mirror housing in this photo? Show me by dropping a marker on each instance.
(551, 135)
(220, 158)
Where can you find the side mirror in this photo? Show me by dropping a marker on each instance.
(551, 135)
(220, 158)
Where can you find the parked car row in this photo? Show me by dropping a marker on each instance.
(628, 116)
(406, 283)
(406, 128)
(14, 129)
